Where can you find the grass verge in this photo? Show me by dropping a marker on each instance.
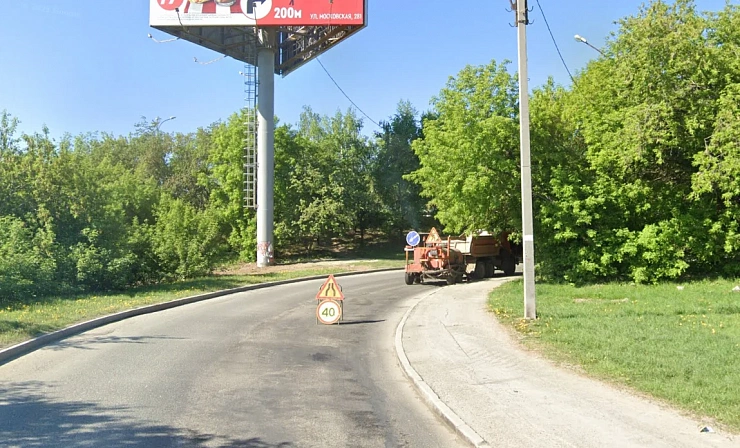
(676, 342)
(23, 320)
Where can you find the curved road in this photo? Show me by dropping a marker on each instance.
(251, 369)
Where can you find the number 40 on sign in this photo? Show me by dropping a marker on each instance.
(330, 298)
(329, 312)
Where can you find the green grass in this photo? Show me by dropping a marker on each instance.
(679, 345)
(22, 320)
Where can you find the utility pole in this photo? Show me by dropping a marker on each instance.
(522, 20)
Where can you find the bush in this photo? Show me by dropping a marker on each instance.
(101, 268)
(185, 241)
(25, 268)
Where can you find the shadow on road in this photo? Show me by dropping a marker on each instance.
(355, 322)
(89, 342)
(32, 419)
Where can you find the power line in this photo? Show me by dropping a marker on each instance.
(209, 62)
(328, 26)
(347, 96)
(161, 41)
(553, 41)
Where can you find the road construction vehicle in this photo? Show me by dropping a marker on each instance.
(431, 257)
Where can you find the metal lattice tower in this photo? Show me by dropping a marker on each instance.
(250, 118)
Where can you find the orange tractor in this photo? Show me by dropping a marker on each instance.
(448, 259)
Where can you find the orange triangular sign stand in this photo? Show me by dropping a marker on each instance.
(433, 236)
(330, 290)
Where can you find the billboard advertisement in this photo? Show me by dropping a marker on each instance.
(256, 12)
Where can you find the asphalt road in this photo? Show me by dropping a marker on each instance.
(247, 370)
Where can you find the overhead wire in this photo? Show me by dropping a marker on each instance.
(209, 62)
(345, 94)
(331, 6)
(177, 10)
(554, 41)
(161, 41)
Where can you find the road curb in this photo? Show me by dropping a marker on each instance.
(432, 399)
(26, 347)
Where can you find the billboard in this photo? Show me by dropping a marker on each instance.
(256, 12)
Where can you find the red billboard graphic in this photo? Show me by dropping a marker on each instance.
(314, 12)
(257, 12)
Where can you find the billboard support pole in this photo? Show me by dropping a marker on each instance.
(265, 151)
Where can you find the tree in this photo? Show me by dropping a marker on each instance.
(634, 205)
(185, 240)
(560, 177)
(400, 198)
(226, 183)
(352, 169)
(25, 268)
(316, 181)
(189, 167)
(8, 128)
(469, 152)
(153, 150)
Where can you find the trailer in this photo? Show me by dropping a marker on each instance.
(454, 259)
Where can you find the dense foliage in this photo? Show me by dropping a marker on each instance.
(102, 212)
(635, 167)
(469, 164)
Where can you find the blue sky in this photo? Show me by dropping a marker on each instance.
(82, 67)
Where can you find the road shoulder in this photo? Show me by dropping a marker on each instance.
(494, 393)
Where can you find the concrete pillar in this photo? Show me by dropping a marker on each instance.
(265, 156)
(530, 308)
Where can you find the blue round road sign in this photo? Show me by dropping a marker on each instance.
(413, 238)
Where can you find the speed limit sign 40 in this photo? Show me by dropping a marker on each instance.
(328, 312)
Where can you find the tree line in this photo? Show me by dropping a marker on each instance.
(635, 166)
(107, 212)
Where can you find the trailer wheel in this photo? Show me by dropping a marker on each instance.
(480, 269)
(409, 278)
(452, 279)
(509, 266)
(489, 268)
(417, 278)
